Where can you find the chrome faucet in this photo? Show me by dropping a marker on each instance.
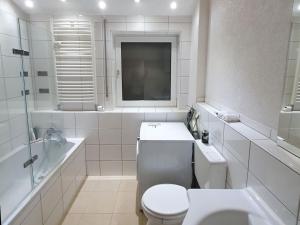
(56, 135)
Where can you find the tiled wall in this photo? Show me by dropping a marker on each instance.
(292, 62)
(110, 136)
(289, 127)
(256, 162)
(42, 61)
(13, 131)
(42, 53)
(50, 204)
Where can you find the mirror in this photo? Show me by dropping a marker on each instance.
(289, 119)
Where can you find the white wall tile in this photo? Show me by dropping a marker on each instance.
(155, 117)
(93, 168)
(91, 135)
(184, 67)
(281, 211)
(13, 87)
(51, 199)
(57, 215)
(156, 19)
(140, 26)
(156, 27)
(34, 217)
(93, 152)
(129, 135)
(110, 120)
(176, 116)
(7, 44)
(41, 49)
(236, 172)
(9, 24)
(4, 132)
(183, 28)
(130, 120)
(129, 168)
(268, 170)
(135, 19)
(99, 34)
(237, 144)
(110, 136)
(11, 66)
(3, 111)
(128, 152)
(86, 120)
(110, 152)
(111, 168)
(64, 120)
(185, 50)
(69, 196)
(182, 101)
(184, 85)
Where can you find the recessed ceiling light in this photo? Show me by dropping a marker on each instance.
(80, 15)
(173, 5)
(29, 3)
(102, 5)
(63, 0)
(137, 1)
(298, 7)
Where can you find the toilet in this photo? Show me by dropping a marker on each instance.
(169, 203)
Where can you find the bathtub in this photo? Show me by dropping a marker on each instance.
(18, 186)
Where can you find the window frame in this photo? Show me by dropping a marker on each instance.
(142, 38)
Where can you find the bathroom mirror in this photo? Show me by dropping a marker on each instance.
(289, 119)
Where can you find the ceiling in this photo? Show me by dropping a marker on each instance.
(114, 7)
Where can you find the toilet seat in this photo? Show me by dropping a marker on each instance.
(166, 200)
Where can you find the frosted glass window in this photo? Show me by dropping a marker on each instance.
(146, 71)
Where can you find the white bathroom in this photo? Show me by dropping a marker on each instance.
(149, 112)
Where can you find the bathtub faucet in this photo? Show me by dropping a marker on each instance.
(56, 135)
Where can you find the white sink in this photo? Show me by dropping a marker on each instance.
(225, 207)
(230, 217)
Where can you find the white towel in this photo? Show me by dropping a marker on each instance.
(228, 117)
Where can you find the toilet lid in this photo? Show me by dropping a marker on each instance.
(166, 199)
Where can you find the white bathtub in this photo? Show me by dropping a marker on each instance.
(18, 186)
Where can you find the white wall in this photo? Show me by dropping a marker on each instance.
(199, 52)
(248, 44)
(41, 44)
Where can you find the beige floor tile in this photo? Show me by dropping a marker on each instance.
(101, 185)
(101, 202)
(87, 219)
(128, 185)
(80, 204)
(126, 202)
(128, 219)
(71, 219)
(95, 219)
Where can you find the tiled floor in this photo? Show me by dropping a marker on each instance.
(106, 201)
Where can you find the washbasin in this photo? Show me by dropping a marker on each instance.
(224, 207)
(230, 217)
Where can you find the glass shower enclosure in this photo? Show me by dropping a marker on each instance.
(16, 101)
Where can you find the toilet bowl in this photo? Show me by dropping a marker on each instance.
(165, 204)
(169, 203)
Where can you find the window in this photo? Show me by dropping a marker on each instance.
(146, 68)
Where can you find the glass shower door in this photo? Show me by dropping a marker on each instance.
(16, 180)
